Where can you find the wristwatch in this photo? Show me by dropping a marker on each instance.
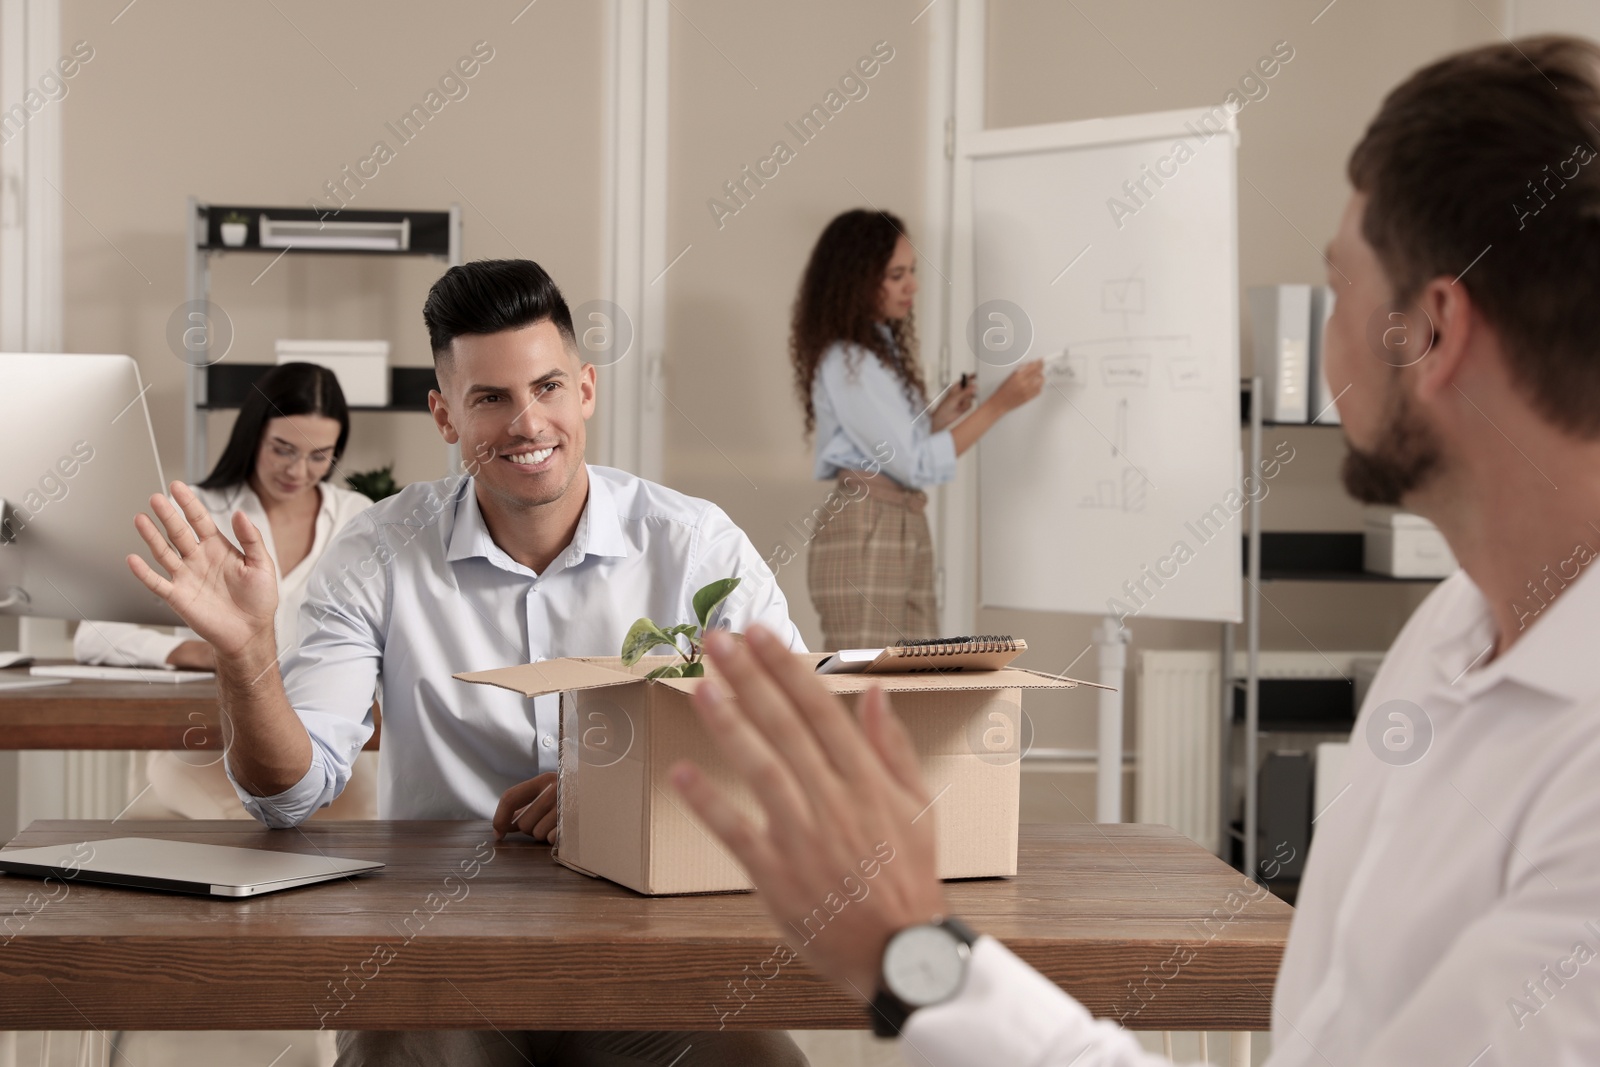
(923, 965)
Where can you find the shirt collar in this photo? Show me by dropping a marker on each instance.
(1551, 656)
(469, 535)
(599, 530)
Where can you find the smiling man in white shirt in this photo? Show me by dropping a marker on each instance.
(1450, 908)
(531, 554)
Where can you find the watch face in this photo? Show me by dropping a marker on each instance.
(924, 965)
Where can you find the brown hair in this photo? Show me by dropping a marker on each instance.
(1491, 153)
(838, 301)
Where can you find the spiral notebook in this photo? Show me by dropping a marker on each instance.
(982, 652)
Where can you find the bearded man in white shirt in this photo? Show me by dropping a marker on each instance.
(531, 554)
(1450, 908)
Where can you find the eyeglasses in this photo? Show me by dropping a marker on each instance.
(322, 457)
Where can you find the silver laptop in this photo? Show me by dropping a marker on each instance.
(180, 866)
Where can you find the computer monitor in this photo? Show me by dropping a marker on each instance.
(77, 462)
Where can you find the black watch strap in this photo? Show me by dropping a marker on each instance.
(889, 1012)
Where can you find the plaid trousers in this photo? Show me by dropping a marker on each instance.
(870, 567)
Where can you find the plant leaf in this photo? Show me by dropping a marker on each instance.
(642, 637)
(687, 628)
(693, 670)
(707, 599)
(671, 670)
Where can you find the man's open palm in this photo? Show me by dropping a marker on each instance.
(226, 596)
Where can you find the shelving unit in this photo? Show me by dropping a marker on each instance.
(1281, 557)
(280, 231)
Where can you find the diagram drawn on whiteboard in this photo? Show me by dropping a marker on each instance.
(1132, 361)
(1123, 297)
(1124, 489)
(1123, 294)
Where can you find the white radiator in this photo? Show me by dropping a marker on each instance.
(95, 785)
(66, 785)
(1179, 730)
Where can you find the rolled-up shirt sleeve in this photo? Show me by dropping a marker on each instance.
(879, 421)
(1009, 1013)
(121, 644)
(331, 677)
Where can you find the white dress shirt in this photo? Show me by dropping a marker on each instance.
(121, 644)
(865, 421)
(1450, 907)
(416, 590)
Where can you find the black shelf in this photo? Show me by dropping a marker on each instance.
(1315, 557)
(430, 230)
(227, 384)
(1301, 705)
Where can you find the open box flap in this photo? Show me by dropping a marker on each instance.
(1073, 681)
(951, 681)
(575, 673)
(925, 682)
(551, 676)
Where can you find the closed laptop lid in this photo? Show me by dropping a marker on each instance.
(184, 866)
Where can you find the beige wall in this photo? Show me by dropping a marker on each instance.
(231, 103)
(734, 429)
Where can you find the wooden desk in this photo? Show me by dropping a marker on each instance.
(528, 944)
(114, 715)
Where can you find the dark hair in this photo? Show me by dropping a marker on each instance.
(1495, 146)
(287, 389)
(838, 301)
(491, 295)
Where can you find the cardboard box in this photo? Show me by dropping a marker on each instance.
(620, 818)
(1403, 545)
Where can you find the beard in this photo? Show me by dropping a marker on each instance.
(1404, 457)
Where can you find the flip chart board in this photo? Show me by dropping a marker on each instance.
(1109, 249)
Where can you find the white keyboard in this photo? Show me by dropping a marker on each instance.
(119, 674)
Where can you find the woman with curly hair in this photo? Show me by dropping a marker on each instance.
(854, 348)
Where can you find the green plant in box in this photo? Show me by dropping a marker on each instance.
(644, 635)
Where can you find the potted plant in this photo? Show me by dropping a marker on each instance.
(645, 635)
(375, 485)
(235, 228)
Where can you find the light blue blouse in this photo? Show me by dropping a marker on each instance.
(865, 421)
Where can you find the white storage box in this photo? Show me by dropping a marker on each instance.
(362, 367)
(1403, 545)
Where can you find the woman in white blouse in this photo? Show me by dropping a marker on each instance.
(853, 344)
(286, 443)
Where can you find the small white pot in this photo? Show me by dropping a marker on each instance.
(234, 233)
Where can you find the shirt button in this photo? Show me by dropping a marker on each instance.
(547, 741)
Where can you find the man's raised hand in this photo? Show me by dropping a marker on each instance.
(846, 857)
(226, 596)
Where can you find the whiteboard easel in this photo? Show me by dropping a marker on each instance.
(1085, 496)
